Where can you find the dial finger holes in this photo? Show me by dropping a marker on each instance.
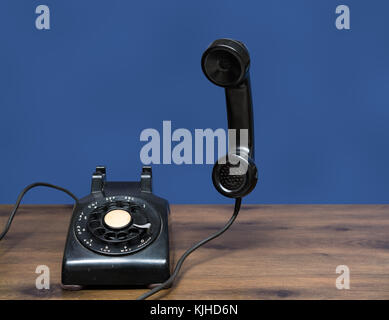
(135, 209)
(110, 236)
(100, 231)
(93, 216)
(133, 232)
(122, 236)
(94, 224)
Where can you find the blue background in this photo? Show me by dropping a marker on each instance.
(79, 95)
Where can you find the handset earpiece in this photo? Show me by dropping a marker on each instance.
(226, 63)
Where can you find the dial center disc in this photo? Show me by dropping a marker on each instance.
(117, 219)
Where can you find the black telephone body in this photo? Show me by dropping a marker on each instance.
(118, 235)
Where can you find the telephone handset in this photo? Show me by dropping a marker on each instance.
(226, 63)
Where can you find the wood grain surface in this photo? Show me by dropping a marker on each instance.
(271, 252)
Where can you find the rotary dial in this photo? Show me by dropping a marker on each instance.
(117, 225)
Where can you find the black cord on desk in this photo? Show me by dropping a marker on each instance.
(178, 266)
(20, 197)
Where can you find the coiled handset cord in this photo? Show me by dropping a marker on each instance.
(178, 266)
(21, 195)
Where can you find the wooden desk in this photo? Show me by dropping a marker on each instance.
(271, 252)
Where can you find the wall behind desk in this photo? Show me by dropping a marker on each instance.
(80, 94)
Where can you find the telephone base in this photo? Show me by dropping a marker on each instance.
(118, 236)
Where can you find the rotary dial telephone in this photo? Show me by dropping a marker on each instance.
(119, 233)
